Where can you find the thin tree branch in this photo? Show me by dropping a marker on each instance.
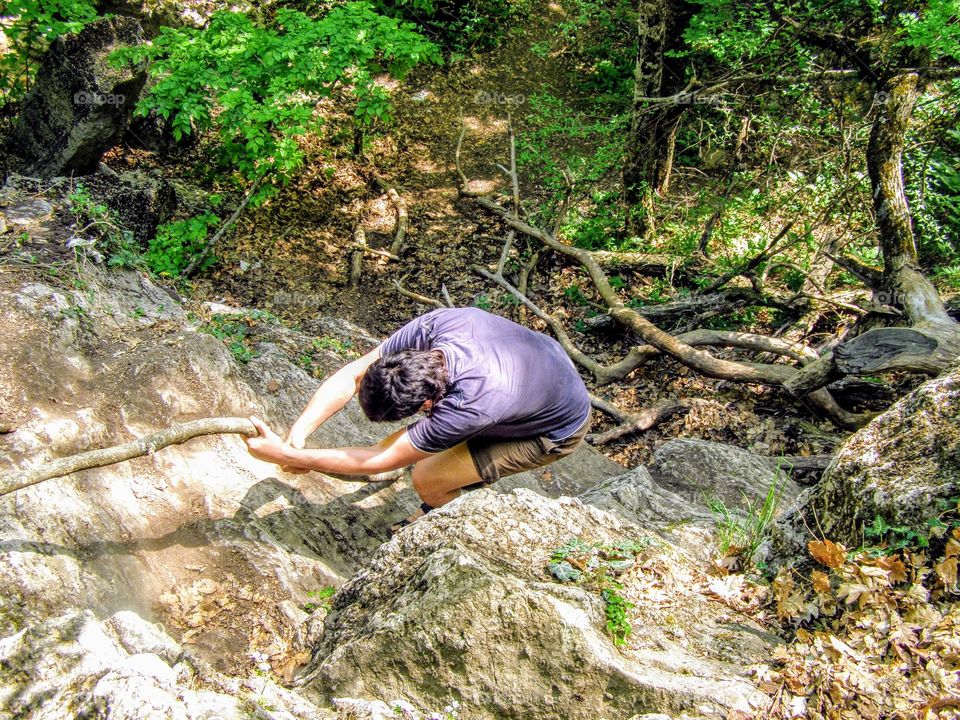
(146, 445)
(199, 258)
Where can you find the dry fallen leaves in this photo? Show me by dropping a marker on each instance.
(877, 636)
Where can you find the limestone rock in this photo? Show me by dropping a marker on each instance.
(127, 669)
(700, 470)
(458, 607)
(140, 201)
(80, 104)
(898, 467)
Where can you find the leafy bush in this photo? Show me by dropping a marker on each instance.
(176, 244)
(258, 85)
(30, 26)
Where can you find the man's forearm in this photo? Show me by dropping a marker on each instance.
(329, 398)
(346, 460)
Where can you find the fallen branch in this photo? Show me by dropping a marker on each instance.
(146, 445)
(199, 257)
(356, 257)
(639, 422)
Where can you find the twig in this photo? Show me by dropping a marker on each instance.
(146, 445)
(505, 253)
(422, 299)
(199, 258)
(374, 251)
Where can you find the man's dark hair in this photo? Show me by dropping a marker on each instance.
(397, 385)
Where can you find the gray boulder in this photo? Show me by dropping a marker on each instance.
(700, 471)
(898, 467)
(80, 104)
(458, 606)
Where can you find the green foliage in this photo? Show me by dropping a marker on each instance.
(319, 599)
(597, 566)
(236, 330)
(176, 244)
(98, 233)
(729, 31)
(933, 189)
(932, 28)
(458, 25)
(741, 532)
(258, 85)
(885, 539)
(30, 26)
(569, 150)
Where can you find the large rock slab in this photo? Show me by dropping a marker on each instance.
(458, 606)
(899, 467)
(80, 104)
(701, 471)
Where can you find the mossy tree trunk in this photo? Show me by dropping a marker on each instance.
(648, 161)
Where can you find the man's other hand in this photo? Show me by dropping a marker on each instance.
(267, 446)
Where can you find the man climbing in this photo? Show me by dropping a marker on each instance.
(497, 399)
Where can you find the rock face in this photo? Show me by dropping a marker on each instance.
(897, 467)
(80, 104)
(699, 471)
(126, 669)
(458, 607)
(196, 528)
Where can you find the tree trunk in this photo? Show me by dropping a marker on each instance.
(908, 288)
(648, 161)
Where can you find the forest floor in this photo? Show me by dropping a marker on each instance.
(291, 256)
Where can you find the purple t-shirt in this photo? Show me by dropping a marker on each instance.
(505, 380)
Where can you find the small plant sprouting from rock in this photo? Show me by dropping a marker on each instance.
(741, 532)
(98, 229)
(319, 599)
(236, 329)
(597, 566)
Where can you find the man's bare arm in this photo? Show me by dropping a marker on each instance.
(391, 453)
(331, 396)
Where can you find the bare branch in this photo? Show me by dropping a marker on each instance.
(422, 299)
(146, 445)
(199, 257)
(403, 219)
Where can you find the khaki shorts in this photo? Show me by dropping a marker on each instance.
(498, 457)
